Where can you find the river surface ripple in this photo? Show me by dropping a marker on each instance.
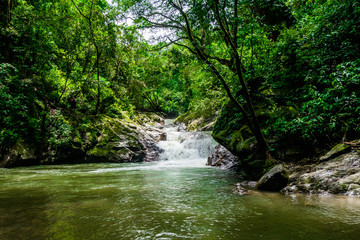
(176, 198)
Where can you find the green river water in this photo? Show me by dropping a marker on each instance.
(168, 199)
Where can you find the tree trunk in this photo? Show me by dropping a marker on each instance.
(98, 81)
(232, 40)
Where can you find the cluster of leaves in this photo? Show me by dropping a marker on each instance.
(18, 107)
(317, 71)
(78, 58)
(47, 63)
(67, 60)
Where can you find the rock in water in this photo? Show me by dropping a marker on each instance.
(245, 187)
(274, 180)
(102, 139)
(182, 127)
(240, 190)
(223, 158)
(249, 185)
(340, 175)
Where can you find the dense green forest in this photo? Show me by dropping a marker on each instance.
(273, 74)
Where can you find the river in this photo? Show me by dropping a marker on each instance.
(175, 198)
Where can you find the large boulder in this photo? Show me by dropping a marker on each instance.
(245, 187)
(149, 118)
(339, 175)
(20, 154)
(123, 141)
(223, 158)
(201, 120)
(274, 180)
(92, 139)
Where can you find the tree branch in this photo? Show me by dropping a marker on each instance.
(171, 42)
(81, 13)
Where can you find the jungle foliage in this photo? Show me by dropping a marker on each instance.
(289, 67)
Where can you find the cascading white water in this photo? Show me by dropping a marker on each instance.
(180, 150)
(184, 149)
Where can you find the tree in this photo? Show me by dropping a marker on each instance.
(6, 6)
(94, 40)
(210, 30)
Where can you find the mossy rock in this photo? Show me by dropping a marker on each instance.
(117, 141)
(232, 132)
(196, 124)
(20, 154)
(274, 180)
(113, 152)
(149, 118)
(103, 139)
(200, 119)
(336, 151)
(89, 139)
(65, 154)
(237, 141)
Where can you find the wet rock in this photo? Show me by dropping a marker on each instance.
(19, 155)
(274, 180)
(121, 140)
(223, 158)
(248, 185)
(163, 137)
(150, 118)
(336, 151)
(181, 127)
(152, 150)
(100, 139)
(245, 187)
(64, 154)
(300, 188)
(208, 127)
(156, 134)
(240, 189)
(339, 175)
(353, 192)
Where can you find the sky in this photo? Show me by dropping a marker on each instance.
(146, 33)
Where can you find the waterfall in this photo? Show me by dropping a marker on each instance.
(180, 150)
(184, 149)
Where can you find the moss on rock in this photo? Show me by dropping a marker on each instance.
(336, 151)
(90, 139)
(232, 132)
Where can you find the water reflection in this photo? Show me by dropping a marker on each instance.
(81, 202)
(163, 200)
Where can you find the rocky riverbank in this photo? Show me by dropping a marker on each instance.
(336, 172)
(100, 139)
